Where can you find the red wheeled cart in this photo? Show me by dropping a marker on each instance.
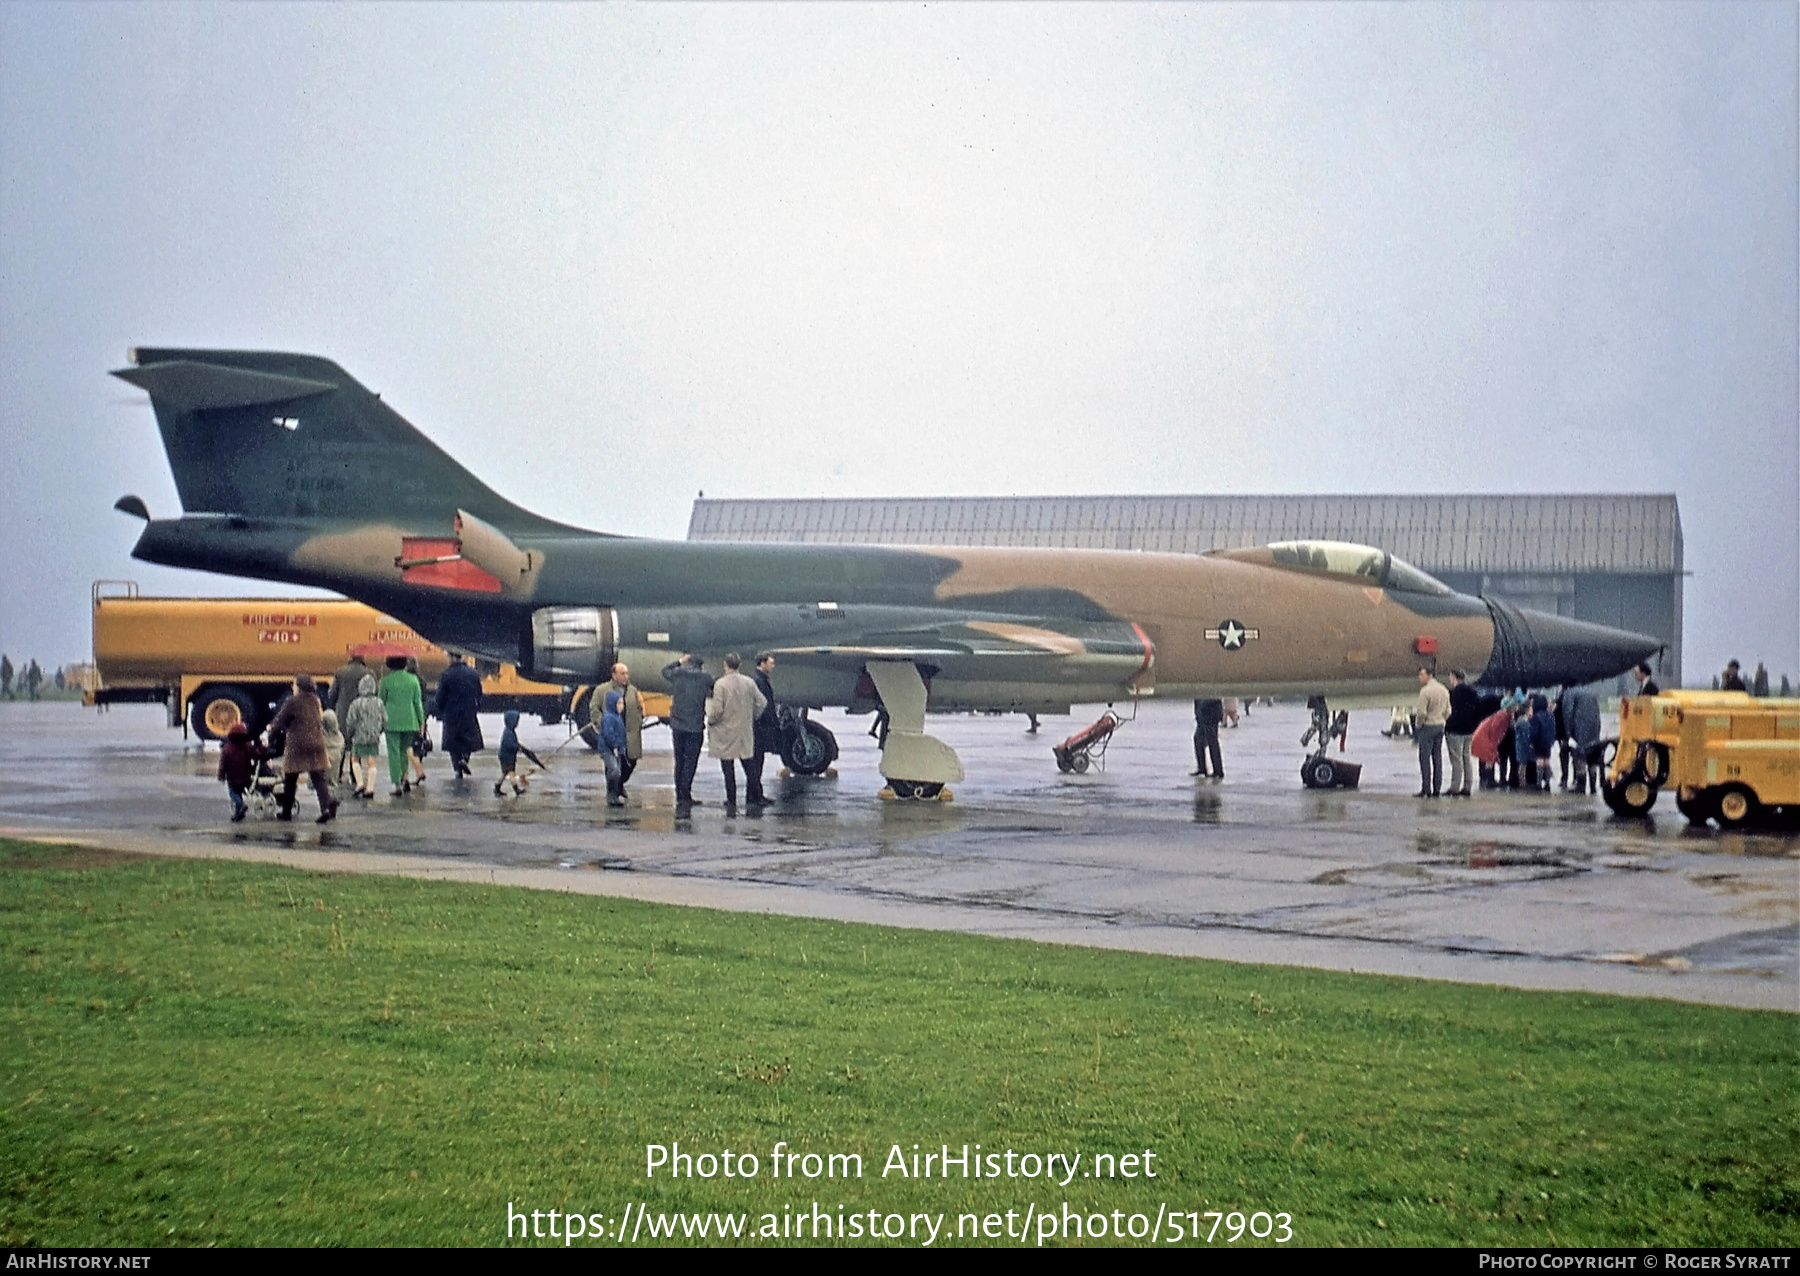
(1087, 746)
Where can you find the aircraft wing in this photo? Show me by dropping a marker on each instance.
(1056, 652)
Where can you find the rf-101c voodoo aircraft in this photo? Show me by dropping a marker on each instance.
(289, 470)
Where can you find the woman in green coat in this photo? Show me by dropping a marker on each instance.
(404, 699)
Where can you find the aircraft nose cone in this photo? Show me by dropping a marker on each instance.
(1536, 649)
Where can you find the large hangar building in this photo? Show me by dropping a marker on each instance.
(1616, 560)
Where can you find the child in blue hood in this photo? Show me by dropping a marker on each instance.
(510, 749)
(612, 746)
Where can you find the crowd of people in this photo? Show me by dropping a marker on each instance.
(1520, 740)
(1733, 680)
(736, 711)
(1509, 741)
(341, 732)
(29, 680)
(1512, 739)
(1503, 741)
(365, 716)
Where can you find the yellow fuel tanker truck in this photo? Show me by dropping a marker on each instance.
(1728, 756)
(213, 662)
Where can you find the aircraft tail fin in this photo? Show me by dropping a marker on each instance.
(293, 436)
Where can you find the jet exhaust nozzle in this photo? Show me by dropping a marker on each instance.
(571, 644)
(1537, 649)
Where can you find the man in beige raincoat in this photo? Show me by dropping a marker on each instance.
(731, 724)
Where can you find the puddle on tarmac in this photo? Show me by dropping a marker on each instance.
(1773, 952)
(1441, 852)
(1352, 876)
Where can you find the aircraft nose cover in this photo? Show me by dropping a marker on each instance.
(1536, 649)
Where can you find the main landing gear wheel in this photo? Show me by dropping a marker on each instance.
(809, 748)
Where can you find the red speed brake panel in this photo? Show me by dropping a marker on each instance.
(456, 573)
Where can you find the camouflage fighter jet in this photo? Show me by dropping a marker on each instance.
(289, 470)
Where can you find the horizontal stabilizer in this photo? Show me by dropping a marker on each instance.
(185, 386)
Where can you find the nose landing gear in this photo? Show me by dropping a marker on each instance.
(1320, 770)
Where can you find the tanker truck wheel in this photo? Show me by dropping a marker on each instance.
(217, 709)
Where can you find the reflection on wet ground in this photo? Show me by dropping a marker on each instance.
(1534, 890)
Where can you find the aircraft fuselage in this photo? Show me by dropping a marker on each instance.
(1214, 625)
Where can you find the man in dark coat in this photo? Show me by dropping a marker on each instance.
(1459, 731)
(458, 698)
(1208, 714)
(690, 686)
(768, 733)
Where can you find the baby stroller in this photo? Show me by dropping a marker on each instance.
(265, 789)
(264, 796)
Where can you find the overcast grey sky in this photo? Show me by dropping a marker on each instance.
(608, 256)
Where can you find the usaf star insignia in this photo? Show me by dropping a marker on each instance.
(1231, 635)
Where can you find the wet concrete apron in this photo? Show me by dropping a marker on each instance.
(1541, 891)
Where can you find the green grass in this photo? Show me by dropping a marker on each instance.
(225, 1053)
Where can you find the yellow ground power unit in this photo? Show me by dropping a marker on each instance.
(1728, 756)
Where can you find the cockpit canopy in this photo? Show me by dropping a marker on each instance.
(1363, 562)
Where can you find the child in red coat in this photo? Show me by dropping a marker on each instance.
(237, 766)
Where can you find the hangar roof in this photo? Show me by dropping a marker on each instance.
(1566, 533)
